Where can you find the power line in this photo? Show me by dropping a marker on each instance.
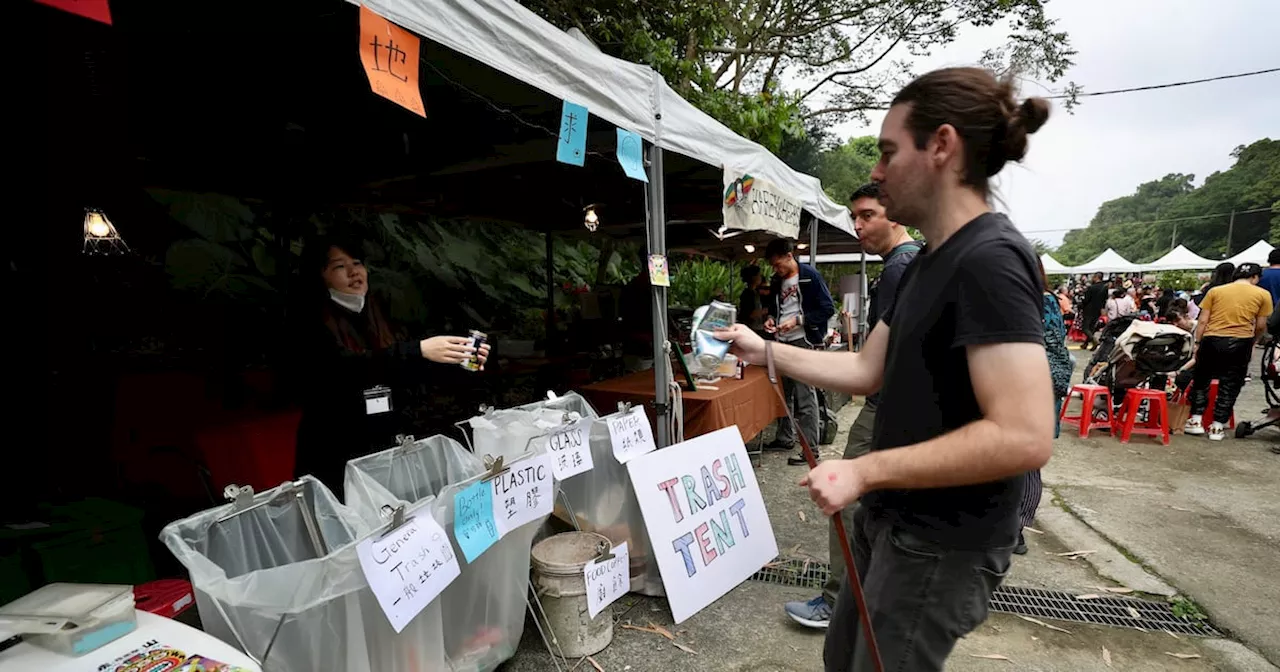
(1154, 221)
(1166, 86)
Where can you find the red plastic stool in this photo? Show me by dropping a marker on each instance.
(1085, 421)
(1157, 423)
(1213, 397)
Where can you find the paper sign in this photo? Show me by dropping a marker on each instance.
(708, 527)
(572, 147)
(570, 449)
(631, 155)
(390, 57)
(523, 493)
(607, 580)
(473, 523)
(89, 9)
(658, 273)
(755, 204)
(631, 435)
(408, 568)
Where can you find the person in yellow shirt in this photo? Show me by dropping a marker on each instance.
(1232, 318)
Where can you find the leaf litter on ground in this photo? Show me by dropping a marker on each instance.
(1043, 624)
(991, 656)
(1106, 656)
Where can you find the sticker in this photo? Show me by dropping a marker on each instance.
(659, 276)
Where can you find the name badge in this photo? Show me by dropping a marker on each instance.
(377, 400)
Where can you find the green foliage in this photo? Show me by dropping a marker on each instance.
(1188, 280)
(845, 167)
(735, 59)
(696, 282)
(1252, 183)
(1185, 607)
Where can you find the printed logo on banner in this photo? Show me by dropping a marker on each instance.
(607, 580)
(707, 523)
(755, 204)
(570, 449)
(408, 568)
(523, 493)
(631, 435)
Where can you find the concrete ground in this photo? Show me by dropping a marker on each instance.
(1197, 519)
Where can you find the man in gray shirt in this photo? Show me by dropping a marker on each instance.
(891, 241)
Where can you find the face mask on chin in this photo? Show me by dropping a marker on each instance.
(352, 302)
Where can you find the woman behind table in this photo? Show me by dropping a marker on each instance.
(357, 368)
(1060, 368)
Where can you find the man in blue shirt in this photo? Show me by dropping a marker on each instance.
(1271, 276)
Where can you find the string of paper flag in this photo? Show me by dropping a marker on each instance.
(389, 54)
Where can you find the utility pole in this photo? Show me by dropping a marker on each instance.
(1173, 242)
(1231, 225)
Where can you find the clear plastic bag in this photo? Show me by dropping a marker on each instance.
(484, 607)
(265, 583)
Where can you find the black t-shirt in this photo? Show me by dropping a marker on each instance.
(1095, 299)
(982, 286)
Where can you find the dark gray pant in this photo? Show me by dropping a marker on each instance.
(802, 399)
(1226, 359)
(859, 444)
(922, 597)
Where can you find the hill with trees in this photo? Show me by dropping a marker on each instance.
(1172, 211)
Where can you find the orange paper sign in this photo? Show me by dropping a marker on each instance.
(390, 57)
(90, 9)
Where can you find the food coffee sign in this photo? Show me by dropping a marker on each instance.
(706, 518)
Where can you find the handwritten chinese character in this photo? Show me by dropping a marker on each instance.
(394, 54)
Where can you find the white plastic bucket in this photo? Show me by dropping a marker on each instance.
(558, 564)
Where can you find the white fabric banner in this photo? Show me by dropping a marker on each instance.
(755, 204)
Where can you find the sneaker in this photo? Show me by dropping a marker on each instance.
(1194, 427)
(776, 446)
(798, 459)
(1021, 548)
(815, 613)
(1217, 431)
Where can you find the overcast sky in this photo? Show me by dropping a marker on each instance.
(1111, 144)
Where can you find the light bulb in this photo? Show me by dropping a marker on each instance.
(749, 248)
(98, 226)
(802, 246)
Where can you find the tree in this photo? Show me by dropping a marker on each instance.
(845, 167)
(770, 68)
(1170, 211)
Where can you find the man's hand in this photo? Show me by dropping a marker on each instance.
(746, 344)
(770, 326)
(835, 484)
(788, 325)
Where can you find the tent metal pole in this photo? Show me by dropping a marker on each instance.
(658, 245)
(863, 303)
(813, 242)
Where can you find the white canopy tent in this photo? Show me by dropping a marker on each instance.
(1180, 259)
(509, 38)
(1109, 261)
(1053, 266)
(1255, 254)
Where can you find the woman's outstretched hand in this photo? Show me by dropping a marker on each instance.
(451, 350)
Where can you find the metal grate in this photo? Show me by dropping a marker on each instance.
(1105, 610)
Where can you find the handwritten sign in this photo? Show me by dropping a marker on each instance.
(473, 523)
(572, 147)
(570, 450)
(523, 493)
(631, 155)
(607, 580)
(90, 9)
(408, 567)
(631, 435)
(706, 518)
(390, 57)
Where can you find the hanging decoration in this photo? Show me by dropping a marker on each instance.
(100, 235)
(390, 57)
(572, 147)
(89, 9)
(631, 155)
(590, 219)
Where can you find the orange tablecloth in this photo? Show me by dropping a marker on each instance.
(748, 403)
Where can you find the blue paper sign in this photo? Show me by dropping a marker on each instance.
(631, 155)
(473, 524)
(572, 147)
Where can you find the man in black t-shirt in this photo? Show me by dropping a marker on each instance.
(959, 361)
(1095, 300)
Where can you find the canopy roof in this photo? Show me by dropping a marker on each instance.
(1180, 259)
(511, 39)
(1053, 266)
(1109, 261)
(1256, 253)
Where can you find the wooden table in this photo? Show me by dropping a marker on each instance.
(749, 403)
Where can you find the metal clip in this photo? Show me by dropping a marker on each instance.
(494, 466)
(624, 407)
(240, 496)
(604, 551)
(398, 519)
(404, 441)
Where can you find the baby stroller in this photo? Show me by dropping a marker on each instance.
(1270, 378)
(1135, 353)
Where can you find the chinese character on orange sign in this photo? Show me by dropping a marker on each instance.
(390, 57)
(90, 9)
